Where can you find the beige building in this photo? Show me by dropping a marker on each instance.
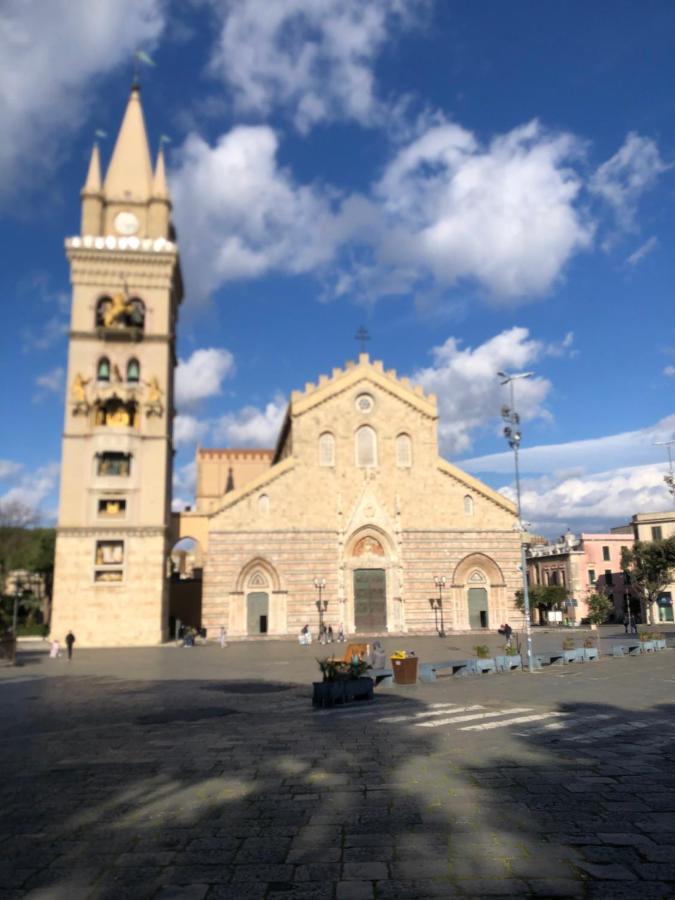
(656, 527)
(354, 498)
(110, 584)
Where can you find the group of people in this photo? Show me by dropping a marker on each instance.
(630, 620)
(326, 634)
(55, 648)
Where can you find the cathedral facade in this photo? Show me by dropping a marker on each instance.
(354, 520)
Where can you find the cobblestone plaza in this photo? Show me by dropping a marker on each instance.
(205, 773)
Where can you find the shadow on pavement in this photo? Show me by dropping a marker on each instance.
(119, 789)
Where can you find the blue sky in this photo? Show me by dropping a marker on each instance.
(483, 185)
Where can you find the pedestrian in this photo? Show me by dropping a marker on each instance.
(626, 623)
(508, 633)
(341, 634)
(55, 650)
(329, 634)
(305, 636)
(70, 640)
(223, 642)
(634, 624)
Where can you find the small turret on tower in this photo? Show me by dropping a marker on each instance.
(160, 201)
(92, 197)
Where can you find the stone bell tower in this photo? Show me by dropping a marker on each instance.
(110, 583)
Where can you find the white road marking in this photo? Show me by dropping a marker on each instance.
(487, 715)
(451, 708)
(517, 721)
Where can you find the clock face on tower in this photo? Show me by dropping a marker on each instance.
(126, 223)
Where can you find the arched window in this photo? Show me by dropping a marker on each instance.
(264, 503)
(327, 449)
(133, 370)
(403, 451)
(102, 305)
(366, 447)
(103, 369)
(468, 505)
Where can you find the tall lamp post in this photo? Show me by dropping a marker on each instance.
(321, 604)
(437, 602)
(669, 478)
(513, 435)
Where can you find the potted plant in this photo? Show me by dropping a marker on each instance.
(647, 643)
(590, 650)
(660, 640)
(510, 659)
(342, 682)
(483, 662)
(570, 653)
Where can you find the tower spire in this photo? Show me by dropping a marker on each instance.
(160, 187)
(129, 175)
(93, 183)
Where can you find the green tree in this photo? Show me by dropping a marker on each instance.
(649, 564)
(599, 608)
(548, 596)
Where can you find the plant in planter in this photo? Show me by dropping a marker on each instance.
(484, 661)
(510, 659)
(482, 651)
(647, 642)
(568, 643)
(590, 650)
(342, 682)
(570, 653)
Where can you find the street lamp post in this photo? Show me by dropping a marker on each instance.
(321, 605)
(513, 435)
(439, 581)
(669, 478)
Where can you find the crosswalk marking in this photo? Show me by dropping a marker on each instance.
(455, 719)
(558, 726)
(517, 721)
(452, 709)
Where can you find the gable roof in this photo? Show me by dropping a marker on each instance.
(478, 486)
(342, 379)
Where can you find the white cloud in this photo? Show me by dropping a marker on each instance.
(469, 392)
(314, 58)
(8, 469)
(669, 371)
(502, 215)
(628, 448)
(51, 54)
(593, 502)
(200, 376)
(624, 178)
(189, 430)
(252, 427)
(642, 251)
(240, 215)
(33, 488)
(445, 210)
(51, 382)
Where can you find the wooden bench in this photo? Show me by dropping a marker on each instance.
(430, 671)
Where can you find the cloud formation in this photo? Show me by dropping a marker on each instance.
(30, 489)
(251, 426)
(45, 88)
(446, 210)
(201, 376)
(625, 177)
(314, 59)
(469, 392)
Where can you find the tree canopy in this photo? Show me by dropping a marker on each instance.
(649, 565)
(549, 596)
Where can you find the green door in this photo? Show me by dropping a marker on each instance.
(666, 607)
(257, 611)
(478, 608)
(370, 600)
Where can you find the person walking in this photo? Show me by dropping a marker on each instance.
(70, 640)
(223, 642)
(508, 633)
(626, 623)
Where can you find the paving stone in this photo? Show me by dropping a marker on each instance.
(182, 892)
(364, 871)
(354, 890)
(611, 872)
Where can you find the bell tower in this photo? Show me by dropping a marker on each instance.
(110, 584)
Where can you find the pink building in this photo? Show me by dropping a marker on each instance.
(590, 563)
